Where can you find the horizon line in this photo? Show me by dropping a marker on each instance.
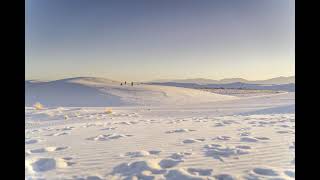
(74, 77)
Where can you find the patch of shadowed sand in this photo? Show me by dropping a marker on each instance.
(269, 173)
(179, 131)
(225, 123)
(253, 139)
(248, 139)
(31, 141)
(108, 129)
(292, 146)
(225, 177)
(91, 177)
(141, 153)
(106, 137)
(222, 138)
(180, 155)
(127, 122)
(188, 174)
(67, 128)
(58, 134)
(285, 132)
(26, 154)
(138, 169)
(191, 140)
(47, 149)
(47, 164)
(245, 134)
(158, 169)
(220, 152)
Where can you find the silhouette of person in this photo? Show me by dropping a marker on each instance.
(125, 82)
(121, 84)
(131, 83)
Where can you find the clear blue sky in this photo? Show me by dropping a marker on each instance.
(138, 40)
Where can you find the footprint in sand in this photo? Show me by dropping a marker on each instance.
(58, 134)
(289, 173)
(147, 169)
(285, 132)
(142, 153)
(200, 172)
(34, 131)
(248, 139)
(87, 178)
(243, 147)
(190, 173)
(244, 129)
(225, 177)
(189, 141)
(222, 138)
(267, 172)
(152, 122)
(154, 152)
(47, 149)
(31, 141)
(169, 163)
(179, 131)
(46, 164)
(219, 152)
(262, 138)
(47, 129)
(108, 129)
(106, 137)
(180, 155)
(136, 169)
(124, 123)
(284, 126)
(137, 154)
(227, 122)
(218, 125)
(150, 169)
(26, 154)
(68, 128)
(292, 146)
(201, 121)
(245, 134)
(89, 125)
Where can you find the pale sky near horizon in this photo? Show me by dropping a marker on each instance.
(141, 40)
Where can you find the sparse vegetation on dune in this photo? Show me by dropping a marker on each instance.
(38, 106)
(108, 111)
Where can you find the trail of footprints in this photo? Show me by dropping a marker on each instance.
(157, 168)
(166, 168)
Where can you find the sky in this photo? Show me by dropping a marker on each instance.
(142, 40)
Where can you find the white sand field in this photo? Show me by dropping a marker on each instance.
(165, 133)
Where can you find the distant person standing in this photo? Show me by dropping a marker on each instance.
(131, 83)
(125, 82)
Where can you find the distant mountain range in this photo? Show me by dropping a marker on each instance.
(237, 85)
(202, 81)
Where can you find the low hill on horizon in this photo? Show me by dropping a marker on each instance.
(237, 85)
(202, 81)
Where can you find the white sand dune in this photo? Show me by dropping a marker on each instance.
(243, 138)
(97, 92)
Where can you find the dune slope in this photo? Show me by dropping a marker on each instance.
(95, 92)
